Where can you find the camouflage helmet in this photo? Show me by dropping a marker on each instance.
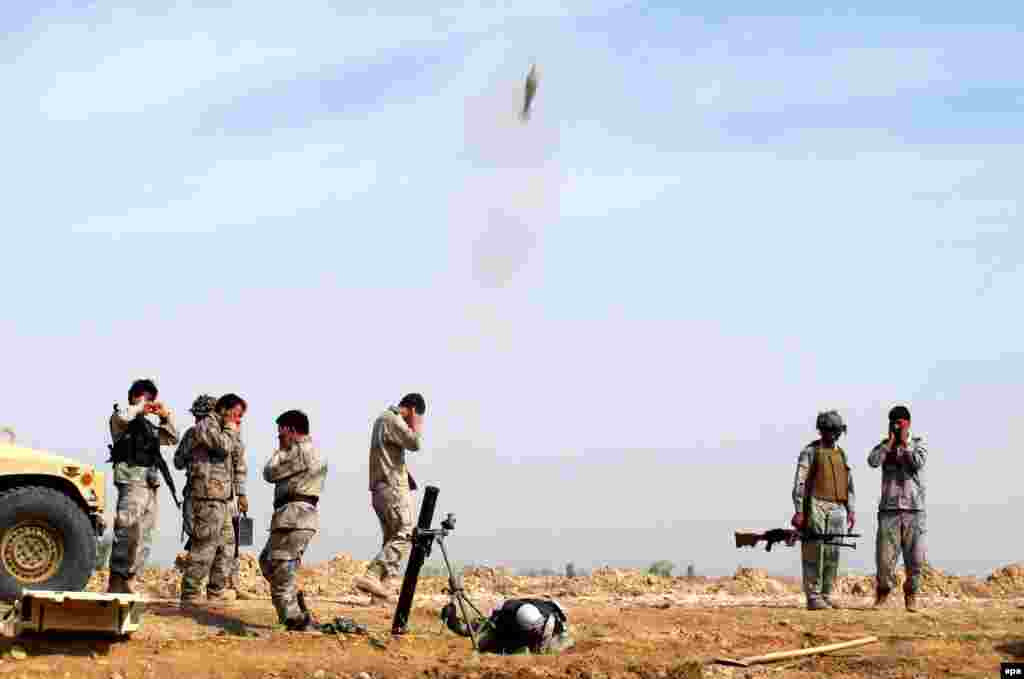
(830, 421)
(203, 405)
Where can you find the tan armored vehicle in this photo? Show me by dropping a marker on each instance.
(51, 513)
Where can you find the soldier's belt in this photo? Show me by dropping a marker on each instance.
(838, 500)
(281, 502)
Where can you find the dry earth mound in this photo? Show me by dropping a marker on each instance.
(333, 579)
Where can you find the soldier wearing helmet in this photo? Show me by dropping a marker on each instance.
(823, 495)
(537, 625)
(214, 456)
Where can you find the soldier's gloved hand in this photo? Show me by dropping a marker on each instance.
(851, 519)
(797, 521)
(243, 504)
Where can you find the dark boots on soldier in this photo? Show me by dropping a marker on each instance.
(118, 584)
(817, 604)
(303, 623)
(880, 598)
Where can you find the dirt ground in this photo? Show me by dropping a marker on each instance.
(626, 624)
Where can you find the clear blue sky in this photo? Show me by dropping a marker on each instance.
(624, 314)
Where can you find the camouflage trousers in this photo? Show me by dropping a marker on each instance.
(900, 532)
(279, 561)
(211, 553)
(821, 561)
(394, 511)
(134, 526)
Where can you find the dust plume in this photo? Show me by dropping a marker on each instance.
(513, 185)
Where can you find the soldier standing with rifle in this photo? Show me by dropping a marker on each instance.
(901, 509)
(137, 432)
(823, 495)
(216, 469)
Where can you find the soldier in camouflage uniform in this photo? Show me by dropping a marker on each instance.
(823, 494)
(215, 456)
(395, 431)
(902, 525)
(135, 521)
(298, 474)
(201, 407)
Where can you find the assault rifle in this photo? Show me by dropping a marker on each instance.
(790, 536)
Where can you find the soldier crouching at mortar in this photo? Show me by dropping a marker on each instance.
(298, 474)
(823, 495)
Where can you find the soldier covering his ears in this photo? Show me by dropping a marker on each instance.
(137, 432)
(214, 454)
(902, 524)
(395, 431)
(297, 472)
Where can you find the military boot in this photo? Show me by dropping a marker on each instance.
(880, 598)
(817, 603)
(830, 601)
(118, 584)
(371, 586)
(303, 623)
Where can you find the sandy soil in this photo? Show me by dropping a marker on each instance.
(627, 625)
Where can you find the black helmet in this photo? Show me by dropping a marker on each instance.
(203, 405)
(830, 421)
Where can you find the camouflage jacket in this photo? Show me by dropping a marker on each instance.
(297, 470)
(119, 421)
(215, 458)
(803, 468)
(390, 439)
(903, 482)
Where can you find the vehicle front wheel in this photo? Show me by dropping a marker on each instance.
(46, 542)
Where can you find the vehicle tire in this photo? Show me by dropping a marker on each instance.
(46, 542)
